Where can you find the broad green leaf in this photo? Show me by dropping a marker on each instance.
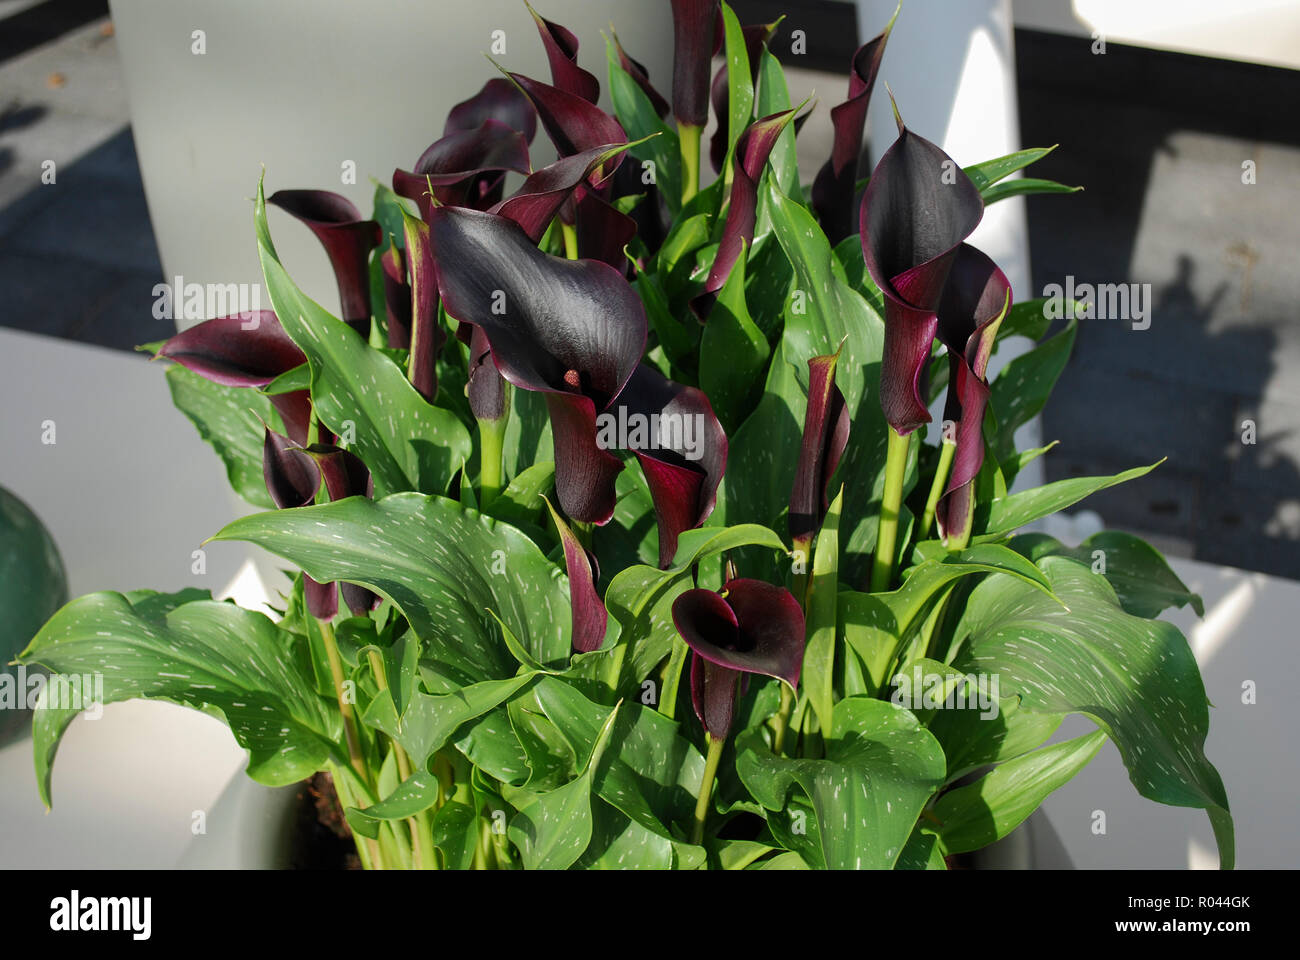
(733, 352)
(876, 625)
(228, 419)
(818, 674)
(1020, 391)
(1143, 581)
(987, 810)
(358, 390)
(619, 843)
(444, 566)
(430, 720)
(880, 769)
(650, 773)
(1018, 509)
(214, 657)
(971, 740)
(413, 795)
(552, 829)
(1136, 678)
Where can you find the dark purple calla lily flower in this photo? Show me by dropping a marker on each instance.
(293, 477)
(637, 71)
(975, 301)
(500, 100)
(825, 435)
(756, 38)
(918, 208)
(752, 150)
(751, 627)
(465, 168)
(573, 330)
(347, 239)
(832, 193)
(427, 336)
(697, 36)
(603, 231)
(573, 124)
(546, 191)
(245, 350)
(397, 297)
(562, 52)
(589, 615)
(486, 389)
(680, 444)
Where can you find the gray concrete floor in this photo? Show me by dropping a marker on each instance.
(1160, 157)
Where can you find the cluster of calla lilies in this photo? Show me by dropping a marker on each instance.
(574, 330)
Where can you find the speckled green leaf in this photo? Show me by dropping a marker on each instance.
(1136, 678)
(207, 655)
(444, 566)
(552, 829)
(880, 769)
(227, 418)
(987, 810)
(1143, 580)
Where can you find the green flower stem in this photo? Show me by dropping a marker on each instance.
(946, 450)
(345, 708)
(421, 831)
(882, 570)
(688, 138)
(781, 720)
(367, 849)
(706, 786)
(492, 435)
(570, 233)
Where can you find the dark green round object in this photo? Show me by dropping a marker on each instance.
(32, 587)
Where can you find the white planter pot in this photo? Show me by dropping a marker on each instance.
(307, 86)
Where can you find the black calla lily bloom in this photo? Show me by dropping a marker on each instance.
(499, 100)
(347, 239)
(562, 52)
(752, 627)
(975, 301)
(825, 436)
(573, 330)
(637, 71)
(245, 350)
(397, 297)
(752, 150)
(683, 451)
(572, 123)
(465, 168)
(293, 478)
(590, 617)
(697, 36)
(918, 208)
(833, 189)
